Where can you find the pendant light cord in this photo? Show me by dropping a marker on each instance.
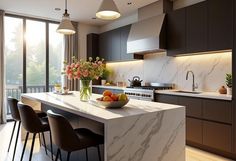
(65, 8)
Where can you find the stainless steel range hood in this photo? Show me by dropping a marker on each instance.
(147, 36)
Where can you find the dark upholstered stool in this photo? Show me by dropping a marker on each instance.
(71, 140)
(33, 124)
(12, 103)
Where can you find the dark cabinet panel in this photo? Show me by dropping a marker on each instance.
(193, 106)
(166, 99)
(216, 110)
(116, 45)
(176, 27)
(196, 28)
(124, 37)
(194, 130)
(220, 24)
(217, 136)
(105, 46)
(92, 45)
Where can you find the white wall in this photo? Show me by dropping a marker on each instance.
(83, 30)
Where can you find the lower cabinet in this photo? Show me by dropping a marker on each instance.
(193, 130)
(209, 124)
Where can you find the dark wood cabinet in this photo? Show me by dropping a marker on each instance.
(209, 123)
(218, 136)
(105, 46)
(92, 45)
(193, 130)
(216, 110)
(220, 24)
(196, 28)
(116, 45)
(193, 106)
(176, 29)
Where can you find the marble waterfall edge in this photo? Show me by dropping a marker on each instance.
(158, 136)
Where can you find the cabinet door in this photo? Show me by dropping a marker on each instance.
(92, 45)
(104, 46)
(193, 106)
(124, 37)
(217, 136)
(220, 24)
(216, 110)
(176, 39)
(166, 99)
(196, 28)
(193, 130)
(116, 45)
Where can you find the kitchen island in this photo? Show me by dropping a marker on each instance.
(141, 131)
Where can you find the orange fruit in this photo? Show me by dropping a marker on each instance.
(107, 99)
(114, 97)
(107, 93)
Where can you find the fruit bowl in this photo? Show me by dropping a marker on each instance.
(112, 104)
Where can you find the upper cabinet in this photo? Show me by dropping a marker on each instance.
(176, 39)
(220, 24)
(196, 28)
(205, 26)
(113, 45)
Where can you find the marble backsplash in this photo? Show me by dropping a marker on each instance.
(209, 70)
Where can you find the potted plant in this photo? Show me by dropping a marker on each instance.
(86, 71)
(104, 76)
(229, 83)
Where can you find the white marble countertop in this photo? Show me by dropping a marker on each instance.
(108, 87)
(210, 95)
(72, 103)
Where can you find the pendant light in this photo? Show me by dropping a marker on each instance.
(66, 26)
(108, 10)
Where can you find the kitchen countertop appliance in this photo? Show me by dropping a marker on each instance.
(146, 92)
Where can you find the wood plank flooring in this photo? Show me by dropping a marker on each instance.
(192, 154)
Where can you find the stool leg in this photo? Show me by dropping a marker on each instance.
(32, 147)
(40, 140)
(86, 150)
(60, 154)
(23, 151)
(13, 130)
(50, 135)
(99, 155)
(57, 154)
(68, 156)
(44, 142)
(17, 135)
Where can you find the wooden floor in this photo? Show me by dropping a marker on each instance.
(192, 154)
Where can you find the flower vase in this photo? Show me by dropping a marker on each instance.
(85, 90)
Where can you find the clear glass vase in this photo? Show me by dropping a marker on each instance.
(85, 90)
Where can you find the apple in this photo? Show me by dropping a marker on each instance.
(122, 97)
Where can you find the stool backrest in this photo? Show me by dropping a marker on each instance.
(63, 134)
(30, 120)
(12, 103)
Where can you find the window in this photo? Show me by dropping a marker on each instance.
(34, 59)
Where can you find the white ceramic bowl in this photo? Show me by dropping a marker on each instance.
(112, 104)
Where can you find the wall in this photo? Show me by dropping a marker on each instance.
(83, 30)
(183, 3)
(209, 70)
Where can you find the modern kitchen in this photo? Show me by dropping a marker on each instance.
(118, 80)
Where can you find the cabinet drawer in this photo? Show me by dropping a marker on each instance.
(194, 130)
(216, 110)
(217, 136)
(166, 99)
(193, 106)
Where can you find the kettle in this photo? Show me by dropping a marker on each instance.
(136, 82)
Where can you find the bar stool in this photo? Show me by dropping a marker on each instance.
(33, 124)
(12, 102)
(71, 140)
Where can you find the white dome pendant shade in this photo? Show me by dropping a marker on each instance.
(108, 10)
(66, 26)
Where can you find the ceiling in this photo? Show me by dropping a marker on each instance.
(79, 10)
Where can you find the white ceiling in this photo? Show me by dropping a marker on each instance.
(79, 10)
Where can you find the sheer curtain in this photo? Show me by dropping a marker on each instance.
(2, 76)
(71, 49)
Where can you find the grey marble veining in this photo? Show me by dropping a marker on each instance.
(209, 70)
